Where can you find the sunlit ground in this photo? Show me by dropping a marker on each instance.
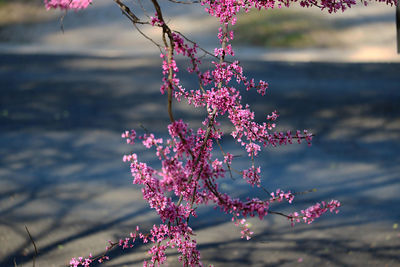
(361, 34)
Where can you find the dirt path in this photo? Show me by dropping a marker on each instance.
(61, 172)
(365, 34)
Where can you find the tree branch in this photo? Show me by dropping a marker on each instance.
(34, 246)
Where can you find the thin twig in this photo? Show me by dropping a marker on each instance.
(63, 16)
(223, 153)
(127, 11)
(280, 213)
(147, 37)
(144, 128)
(135, 20)
(34, 245)
(62, 21)
(265, 190)
(305, 192)
(143, 9)
(202, 49)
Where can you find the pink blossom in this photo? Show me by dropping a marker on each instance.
(156, 21)
(252, 175)
(311, 213)
(279, 196)
(67, 4)
(129, 136)
(190, 170)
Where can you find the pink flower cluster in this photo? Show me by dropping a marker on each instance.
(226, 10)
(190, 172)
(252, 176)
(80, 261)
(156, 21)
(311, 213)
(245, 228)
(129, 136)
(67, 4)
(162, 236)
(279, 196)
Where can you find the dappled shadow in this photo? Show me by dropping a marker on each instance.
(313, 251)
(277, 246)
(61, 174)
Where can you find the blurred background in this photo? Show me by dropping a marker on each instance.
(70, 83)
(295, 34)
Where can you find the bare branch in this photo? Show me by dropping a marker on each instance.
(34, 246)
(193, 42)
(135, 20)
(280, 213)
(305, 192)
(127, 11)
(143, 9)
(147, 37)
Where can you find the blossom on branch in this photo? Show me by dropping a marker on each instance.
(190, 171)
(67, 4)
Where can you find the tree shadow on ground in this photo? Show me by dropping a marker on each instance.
(61, 119)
